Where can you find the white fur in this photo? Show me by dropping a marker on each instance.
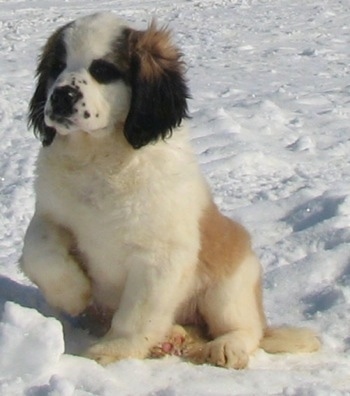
(120, 228)
(88, 39)
(134, 216)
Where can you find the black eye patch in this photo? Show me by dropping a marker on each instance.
(104, 72)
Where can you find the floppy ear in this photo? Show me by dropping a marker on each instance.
(159, 92)
(50, 63)
(36, 114)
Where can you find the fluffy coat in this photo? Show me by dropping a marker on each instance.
(124, 220)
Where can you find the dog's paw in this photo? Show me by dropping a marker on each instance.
(180, 341)
(71, 296)
(222, 352)
(173, 344)
(109, 351)
(100, 355)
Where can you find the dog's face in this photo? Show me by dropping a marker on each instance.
(96, 75)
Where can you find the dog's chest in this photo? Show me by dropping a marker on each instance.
(111, 212)
(90, 201)
(104, 212)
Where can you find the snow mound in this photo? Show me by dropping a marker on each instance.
(29, 342)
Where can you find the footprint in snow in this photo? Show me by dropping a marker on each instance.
(313, 212)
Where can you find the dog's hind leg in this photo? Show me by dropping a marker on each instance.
(232, 309)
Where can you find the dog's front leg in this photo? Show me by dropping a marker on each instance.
(47, 261)
(152, 293)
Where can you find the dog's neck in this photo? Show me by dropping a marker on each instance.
(111, 153)
(81, 147)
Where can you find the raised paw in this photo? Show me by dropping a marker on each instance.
(69, 295)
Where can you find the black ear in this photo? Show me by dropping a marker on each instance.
(36, 113)
(159, 91)
(49, 66)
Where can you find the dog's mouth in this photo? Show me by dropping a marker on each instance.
(66, 112)
(67, 125)
(62, 124)
(52, 119)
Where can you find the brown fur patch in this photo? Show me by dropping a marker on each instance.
(224, 243)
(155, 51)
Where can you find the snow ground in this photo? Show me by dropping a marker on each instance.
(270, 81)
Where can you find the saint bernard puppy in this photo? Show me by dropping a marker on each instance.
(124, 220)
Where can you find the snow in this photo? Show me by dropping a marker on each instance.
(270, 81)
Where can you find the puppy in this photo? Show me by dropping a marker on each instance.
(124, 220)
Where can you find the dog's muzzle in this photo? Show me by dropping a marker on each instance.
(63, 100)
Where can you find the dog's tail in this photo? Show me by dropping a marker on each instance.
(289, 340)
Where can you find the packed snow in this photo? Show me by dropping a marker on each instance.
(270, 81)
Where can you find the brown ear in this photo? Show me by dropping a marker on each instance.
(50, 64)
(159, 91)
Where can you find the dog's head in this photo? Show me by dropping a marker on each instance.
(96, 74)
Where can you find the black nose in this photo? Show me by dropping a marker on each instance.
(63, 100)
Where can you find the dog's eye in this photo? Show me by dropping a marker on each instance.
(57, 68)
(103, 71)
